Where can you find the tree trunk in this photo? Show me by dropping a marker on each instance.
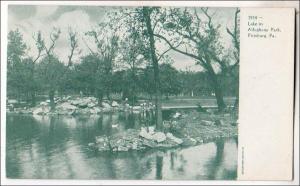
(51, 98)
(216, 86)
(33, 101)
(133, 96)
(100, 98)
(219, 96)
(158, 112)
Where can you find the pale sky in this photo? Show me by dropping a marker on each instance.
(30, 19)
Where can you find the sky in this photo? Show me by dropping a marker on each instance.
(30, 19)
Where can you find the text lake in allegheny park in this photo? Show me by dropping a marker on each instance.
(53, 147)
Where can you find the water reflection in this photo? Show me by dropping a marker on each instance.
(56, 147)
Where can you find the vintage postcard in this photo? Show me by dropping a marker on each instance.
(133, 91)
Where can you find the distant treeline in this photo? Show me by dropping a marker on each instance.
(27, 80)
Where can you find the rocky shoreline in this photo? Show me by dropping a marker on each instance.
(78, 105)
(181, 130)
(183, 133)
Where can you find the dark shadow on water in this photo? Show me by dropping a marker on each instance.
(159, 166)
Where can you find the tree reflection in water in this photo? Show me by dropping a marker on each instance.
(159, 166)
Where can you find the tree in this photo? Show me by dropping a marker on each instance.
(145, 20)
(169, 80)
(150, 34)
(66, 80)
(198, 38)
(131, 50)
(49, 71)
(16, 49)
(51, 67)
(233, 70)
(107, 47)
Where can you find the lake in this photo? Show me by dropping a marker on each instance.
(56, 147)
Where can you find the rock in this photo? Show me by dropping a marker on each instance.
(25, 111)
(106, 109)
(159, 137)
(83, 111)
(105, 105)
(65, 108)
(95, 110)
(219, 123)
(136, 108)
(173, 138)
(41, 110)
(67, 98)
(43, 103)
(82, 104)
(207, 123)
(92, 104)
(188, 142)
(114, 126)
(145, 134)
(136, 111)
(135, 145)
(102, 143)
(57, 100)
(167, 125)
(114, 104)
(169, 144)
(12, 101)
(176, 115)
(91, 144)
(122, 148)
(149, 143)
(151, 130)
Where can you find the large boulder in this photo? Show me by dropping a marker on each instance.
(105, 105)
(91, 104)
(136, 108)
(75, 102)
(95, 110)
(102, 143)
(159, 137)
(143, 133)
(83, 111)
(65, 108)
(189, 142)
(114, 104)
(176, 115)
(84, 102)
(41, 110)
(173, 138)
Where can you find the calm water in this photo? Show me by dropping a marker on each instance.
(56, 147)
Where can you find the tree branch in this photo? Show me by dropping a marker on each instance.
(175, 49)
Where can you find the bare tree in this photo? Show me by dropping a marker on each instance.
(54, 35)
